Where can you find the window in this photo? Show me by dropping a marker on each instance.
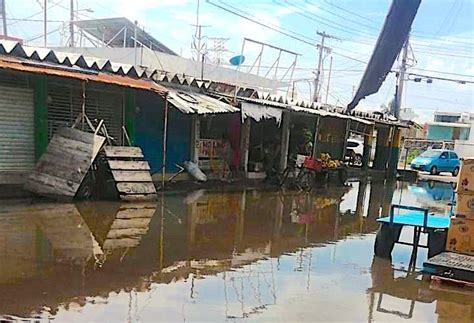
(352, 144)
(444, 155)
(453, 155)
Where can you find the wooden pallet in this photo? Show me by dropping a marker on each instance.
(130, 225)
(130, 172)
(63, 167)
(451, 265)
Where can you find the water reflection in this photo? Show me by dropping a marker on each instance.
(208, 256)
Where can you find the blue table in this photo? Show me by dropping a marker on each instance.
(435, 225)
(434, 221)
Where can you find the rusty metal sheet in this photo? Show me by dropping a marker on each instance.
(31, 67)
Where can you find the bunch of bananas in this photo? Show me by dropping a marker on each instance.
(322, 202)
(328, 162)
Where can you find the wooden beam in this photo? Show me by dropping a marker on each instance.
(136, 188)
(123, 152)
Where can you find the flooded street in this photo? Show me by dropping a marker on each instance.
(214, 256)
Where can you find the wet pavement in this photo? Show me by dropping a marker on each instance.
(246, 255)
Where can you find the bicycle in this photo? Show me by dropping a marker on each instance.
(302, 172)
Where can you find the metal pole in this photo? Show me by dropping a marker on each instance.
(45, 23)
(83, 104)
(135, 43)
(165, 135)
(71, 23)
(4, 18)
(202, 67)
(401, 80)
(318, 73)
(329, 81)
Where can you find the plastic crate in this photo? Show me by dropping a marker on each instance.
(312, 163)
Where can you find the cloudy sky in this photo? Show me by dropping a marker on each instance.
(442, 39)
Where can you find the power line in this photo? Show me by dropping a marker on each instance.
(278, 30)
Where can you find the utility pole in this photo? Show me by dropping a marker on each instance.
(322, 48)
(329, 81)
(45, 23)
(197, 46)
(401, 80)
(4, 17)
(71, 23)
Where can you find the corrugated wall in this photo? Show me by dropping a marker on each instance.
(149, 132)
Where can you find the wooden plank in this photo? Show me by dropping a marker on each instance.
(117, 233)
(52, 184)
(73, 173)
(136, 188)
(123, 152)
(66, 161)
(76, 134)
(120, 243)
(131, 176)
(130, 223)
(138, 197)
(72, 144)
(128, 165)
(130, 213)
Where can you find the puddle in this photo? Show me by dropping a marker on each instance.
(215, 256)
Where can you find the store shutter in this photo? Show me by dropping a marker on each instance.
(17, 151)
(65, 104)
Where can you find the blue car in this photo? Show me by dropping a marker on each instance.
(435, 161)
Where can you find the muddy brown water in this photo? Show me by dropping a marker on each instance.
(245, 255)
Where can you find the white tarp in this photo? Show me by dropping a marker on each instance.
(259, 112)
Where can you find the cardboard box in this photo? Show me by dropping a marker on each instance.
(466, 175)
(453, 310)
(461, 236)
(464, 205)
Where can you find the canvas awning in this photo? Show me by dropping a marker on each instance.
(259, 112)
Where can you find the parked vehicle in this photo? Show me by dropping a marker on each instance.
(435, 161)
(354, 151)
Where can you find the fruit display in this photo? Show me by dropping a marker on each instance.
(328, 162)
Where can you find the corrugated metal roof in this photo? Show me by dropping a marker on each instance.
(188, 101)
(14, 64)
(44, 55)
(16, 49)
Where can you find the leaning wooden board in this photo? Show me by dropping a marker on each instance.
(62, 168)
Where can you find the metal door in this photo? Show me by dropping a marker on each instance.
(65, 104)
(17, 151)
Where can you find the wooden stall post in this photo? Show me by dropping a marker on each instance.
(165, 139)
(244, 145)
(314, 153)
(285, 140)
(195, 136)
(368, 138)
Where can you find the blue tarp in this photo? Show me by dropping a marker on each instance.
(391, 39)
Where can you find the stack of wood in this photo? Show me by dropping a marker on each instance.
(131, 173)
